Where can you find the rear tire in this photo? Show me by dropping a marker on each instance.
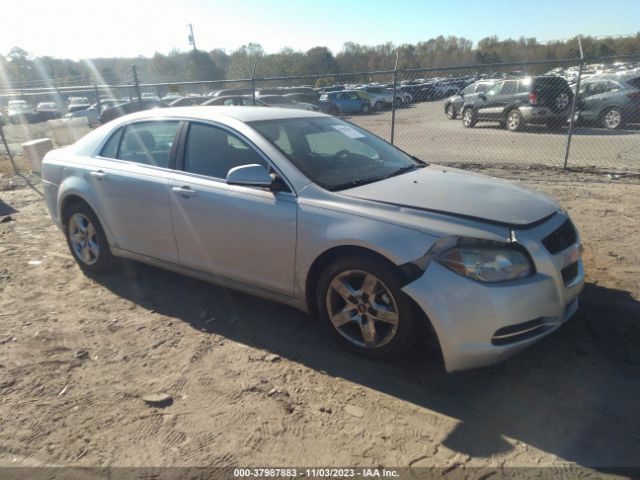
(469, 118)
(361, 304)
(515, 122)
(378, 106)
(366, 109)
(335, 111)
(86, 239)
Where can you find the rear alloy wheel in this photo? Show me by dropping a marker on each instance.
(86, 239)
(451, 112)
(515, 122)
(469, 118)
(366, 108)
(361, 304)
(378, 106)
(334, 111)
(612, 118)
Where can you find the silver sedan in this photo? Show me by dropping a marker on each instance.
(311, 211)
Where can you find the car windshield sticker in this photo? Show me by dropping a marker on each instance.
(348, 131)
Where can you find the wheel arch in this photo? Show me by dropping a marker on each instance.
(407, 271)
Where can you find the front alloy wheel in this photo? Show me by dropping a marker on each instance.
(361, 304)
(362, 309)
(468, 118)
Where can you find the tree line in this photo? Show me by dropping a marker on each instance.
(20, 69)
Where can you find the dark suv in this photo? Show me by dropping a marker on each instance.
(453, 105)
(514, 102)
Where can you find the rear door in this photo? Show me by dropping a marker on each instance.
(489, 106)
(131, 180)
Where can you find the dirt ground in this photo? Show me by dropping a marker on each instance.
(254, 383)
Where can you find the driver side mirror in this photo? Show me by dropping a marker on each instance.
(255, 175)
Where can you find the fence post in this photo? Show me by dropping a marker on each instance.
(136, 85)
(393, 100)
(573, 108)
(95, 90)
(253, 83)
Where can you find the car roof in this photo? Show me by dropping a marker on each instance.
(243, 114)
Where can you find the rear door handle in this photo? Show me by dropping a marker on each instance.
(99, 174)
(185, 192)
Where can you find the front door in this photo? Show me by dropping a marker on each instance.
(240, 233)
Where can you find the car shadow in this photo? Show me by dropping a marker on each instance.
(574, 394)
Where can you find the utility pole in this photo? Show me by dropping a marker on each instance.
(136, 85)
(192, 38)
(573, 107)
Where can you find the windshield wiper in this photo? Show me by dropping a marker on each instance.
(354, 183)
(408, 168)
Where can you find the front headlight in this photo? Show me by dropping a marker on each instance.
(487, 264)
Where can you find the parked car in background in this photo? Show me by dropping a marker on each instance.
(48, 111)
(116, 111)
(312, 99)
(2, 120)
(611, 101)
(381, 97)
(75, 104)
(187, 101)
(19, 111)
(150, 96)
(170, 97)
(284, 102)
(545, 99)
(453, 105)
(230, 91)
(316, 213)
(235, 100)
(344, 102)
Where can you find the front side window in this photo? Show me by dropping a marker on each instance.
(334, 154)
(495, 89)
(469, 89)
(148, 143)
(212, 151)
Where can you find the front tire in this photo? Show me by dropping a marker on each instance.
(469, 118)
(361, 304)
(451, 112)
(86, 239)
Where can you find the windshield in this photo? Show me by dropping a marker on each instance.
(335, 154)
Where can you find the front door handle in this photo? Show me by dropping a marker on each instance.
(99, 174)
(185, 192)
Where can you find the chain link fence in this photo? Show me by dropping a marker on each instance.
(580, 114)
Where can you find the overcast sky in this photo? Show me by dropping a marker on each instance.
(115, 28)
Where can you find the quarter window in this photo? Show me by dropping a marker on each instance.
(212, 151)
(148, 143)
(110, 149)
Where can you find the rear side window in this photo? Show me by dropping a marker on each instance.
(110, 149)
(212, 151)
(509, 87)
(148, 143)
(524, 86)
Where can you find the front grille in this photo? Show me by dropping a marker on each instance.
(519, 332)
(561, 239)
(569, 272)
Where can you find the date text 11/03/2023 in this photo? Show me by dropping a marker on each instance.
(315, 473)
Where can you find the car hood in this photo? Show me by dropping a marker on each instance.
(459, 193)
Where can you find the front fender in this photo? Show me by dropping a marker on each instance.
(321, 230)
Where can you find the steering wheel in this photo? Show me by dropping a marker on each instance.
(342, 154)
